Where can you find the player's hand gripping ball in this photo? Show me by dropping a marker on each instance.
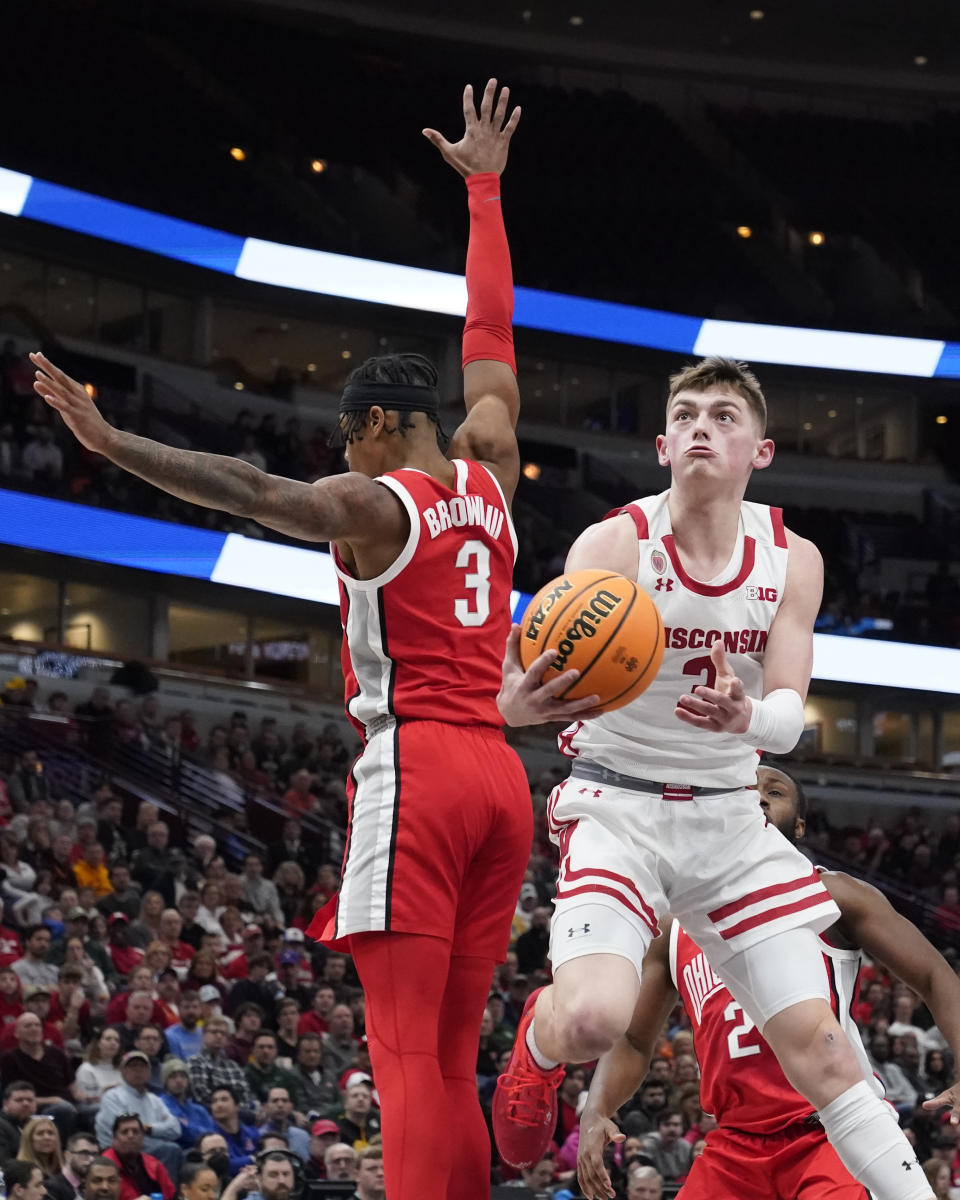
(604, 625)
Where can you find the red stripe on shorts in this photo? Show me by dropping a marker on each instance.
(774, 914)
(598, 872)
(774, 889)
(609, 891)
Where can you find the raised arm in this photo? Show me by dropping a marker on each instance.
(870, 921)
(622, 1069)
(489, 364)
(349, 507)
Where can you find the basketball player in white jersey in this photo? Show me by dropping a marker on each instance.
(766, 1134)
(657, 814)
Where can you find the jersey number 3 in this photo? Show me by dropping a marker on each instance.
(746, 1027)
(474, 558)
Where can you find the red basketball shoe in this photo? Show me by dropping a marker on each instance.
(525, 1101)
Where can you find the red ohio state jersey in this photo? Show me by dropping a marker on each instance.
(424, 640)
(741, 1082)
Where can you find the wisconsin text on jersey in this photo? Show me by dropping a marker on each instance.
(735, 641)
(463, 510)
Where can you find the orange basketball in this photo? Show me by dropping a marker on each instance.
(604, 625)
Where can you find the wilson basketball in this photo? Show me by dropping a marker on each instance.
(603, 624)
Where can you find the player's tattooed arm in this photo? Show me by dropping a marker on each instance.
(867, 919)
(348, 507)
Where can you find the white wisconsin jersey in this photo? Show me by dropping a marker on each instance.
(644, 739)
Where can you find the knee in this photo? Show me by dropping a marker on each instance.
(590, 1027)
(813, 1050)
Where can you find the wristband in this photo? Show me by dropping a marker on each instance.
(776, 721)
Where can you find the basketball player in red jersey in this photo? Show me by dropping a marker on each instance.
(440, 818)
(768, 1143)
(658, 814)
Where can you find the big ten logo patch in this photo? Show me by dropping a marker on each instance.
(755, 592)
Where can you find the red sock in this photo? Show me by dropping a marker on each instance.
(404, 976)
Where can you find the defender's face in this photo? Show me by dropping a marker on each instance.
(778, 799)
(712, 434)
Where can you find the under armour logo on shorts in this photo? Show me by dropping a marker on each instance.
(578, 930)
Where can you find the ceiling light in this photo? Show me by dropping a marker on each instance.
(238, 386)
(831, 413)
(807, 426)
(311, 367)
(757, 14)
(576, 21)
(526, 15)
(531, 470)
(346, 354)
(816, 238)
(941, 420)
(744, 231)
(238, 154)
(920, 60)
(318, 166)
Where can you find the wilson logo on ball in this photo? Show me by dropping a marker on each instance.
(603, 625)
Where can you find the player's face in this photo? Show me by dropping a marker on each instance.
(778, 799)
(712, 435)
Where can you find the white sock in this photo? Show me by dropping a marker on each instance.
(862, 1129)
(544, 1063)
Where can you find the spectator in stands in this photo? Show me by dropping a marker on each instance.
(100, 1069)
(358, 1122)
(340, 1161)
(259, 893)
(644, 1183)
(643, 1112)
(140, 1174)
(316, 1083)
(96, 729)
(211, 1067)
(23, 1181)
(317, 1020)
(69, 1008)
(277, 1116)
(291, 884)
(138, 1012)
(299, 800)
(27, 782)
(11, 997)
(67, 1183)
(102, 1181)
(19, 1107)
(40, 1145)
(45, 1068)
(171, 927)
(61, 863)
(370, 1179)
(18, 877)
(194, 1119)
(32, 968)
(191, 931)
(185, 1038)
(291, 848)
(262, 1071)
(123, 955)
(276, 1177)
(110, 832)
(124, 896)
(249, 1021)
(254, 989)
(91, 978)
(897, 1091)
(670, 1153)
(339, 1043)
(532, 946)
(10, 946)
(91, 870)
(241, 1139)
(160, 1130)
(150, 1042)
(151, 867)
(146, 928)
(42, 458)
(947, 915)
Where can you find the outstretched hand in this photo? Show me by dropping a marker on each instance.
(525, 700)
(596, 1134)
(486, 139)
(72, 402)
(949, 1098)
(722, 708)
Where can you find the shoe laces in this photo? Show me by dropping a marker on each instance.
(528, 1095)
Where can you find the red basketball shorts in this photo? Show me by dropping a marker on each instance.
(440, 829)
(797, 1164)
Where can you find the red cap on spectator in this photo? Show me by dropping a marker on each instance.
(319, 1128)
(252, 931)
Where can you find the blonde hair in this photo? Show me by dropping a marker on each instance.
(49, 1164)
(716, 371)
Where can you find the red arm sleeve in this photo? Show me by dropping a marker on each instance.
(488, 332)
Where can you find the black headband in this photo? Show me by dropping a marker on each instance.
(400, 397)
